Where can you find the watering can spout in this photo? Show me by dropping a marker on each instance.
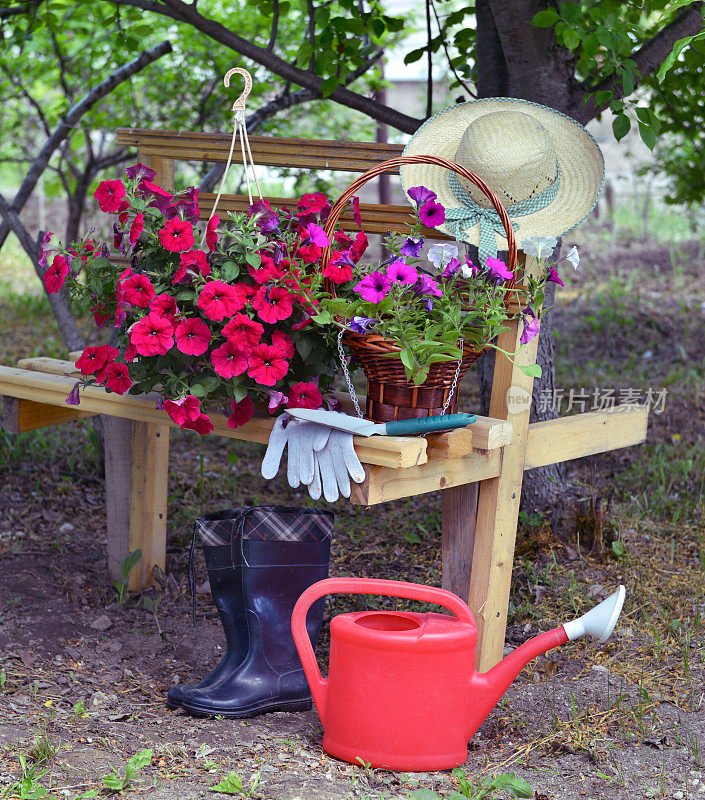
(599, 622)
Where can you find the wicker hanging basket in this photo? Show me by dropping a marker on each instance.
(390, 396)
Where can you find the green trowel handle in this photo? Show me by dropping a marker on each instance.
(408, 427)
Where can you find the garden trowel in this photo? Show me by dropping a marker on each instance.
(363, 427)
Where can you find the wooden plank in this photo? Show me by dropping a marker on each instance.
(453, 444)
(458, 512)
(150, 473)
(392, 451)
(565, 438)
(383, 484)
(117, 434)
(52, 366)
(266, 150)
(19, 416)
(498, 505)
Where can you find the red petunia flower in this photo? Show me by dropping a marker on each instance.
(109, 194)
(153, 335)
(268, 271)
(138, 290)
(243, 332)
(228, 361)
(117, 378)
(267, 364)
(177, 235)
(147, 187)
(273, 303)
(219, 300)
(309, 253)
(100, 316)
(183, 409)
(94, 359)
(202, 424)
(312, 203)
(281, 339)
(55, 276)
(338, 271)
(87, 250)
(192, 337)
(165, 306)
(359, 246)
(195, 261)
(136, 228)
(242, 412)
(304, 395)
(211, 235)
(123, 208)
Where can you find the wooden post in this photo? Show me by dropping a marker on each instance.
(498, 502)
(117, 434)
(458, 511)
(150, 474)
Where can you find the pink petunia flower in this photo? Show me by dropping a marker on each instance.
(100, 317)
(276, 400)
(242, 412)
(122, 211)
(55, 276)
(267, 364)
(243, 332)
(109, 194)
(428, 286)
(400, 272)
(432, 214)
(228, 361)
(136, 228)
(164, 305)
(153, 335)
(219, 300)
(317, 235)
(283, 340)
(273, 303)
(183, 409)
(195, 262)
(339, 270)
(356, 211)
(359, 246)
(531, 326)
(138, 290)
(202, 424)
(211, 234)
(312, 203)
(554, 277)
(192, 336)
(305, 395)
(117, 378)
(95, 359)
(373, 287)
(177, 235)
(498, 270)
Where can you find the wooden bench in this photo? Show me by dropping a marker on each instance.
(479, 470)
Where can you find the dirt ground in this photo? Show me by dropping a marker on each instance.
(83, 677)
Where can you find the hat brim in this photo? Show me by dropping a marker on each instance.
(581, 161)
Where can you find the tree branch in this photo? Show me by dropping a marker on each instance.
(184, 12)
(648, 58)
(275, 26)
(71, 118)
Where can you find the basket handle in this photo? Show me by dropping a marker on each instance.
(394, 163)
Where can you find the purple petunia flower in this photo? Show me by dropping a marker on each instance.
(428, 286)
(374, 287)
(498, 270)
(45, 249)
(411, 247)
(267, 220)
(74, 399)
(554, 277)
(432, 214)
(344, 259)
(276, 400)
(429, 305)
(531, 326)
(361, 324)
(140, 171)
(118, 239)
(421, 195)
(317, 235)
(334, 404)
(401, 272)
(452, 268)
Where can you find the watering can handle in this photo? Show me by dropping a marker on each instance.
(377, 586)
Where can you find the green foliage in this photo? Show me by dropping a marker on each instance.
(116, 782)
(232, 784)
(128, 564)
(479, 788)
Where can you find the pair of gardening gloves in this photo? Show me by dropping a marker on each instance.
(319, 457)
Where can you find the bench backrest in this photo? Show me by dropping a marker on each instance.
(160, 149)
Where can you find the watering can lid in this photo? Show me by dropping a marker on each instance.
(391, 629)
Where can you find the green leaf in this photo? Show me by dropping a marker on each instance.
(416, 55)
(627, 82)
(424, 794)
(532, 370)
(648, 135)
(329, 85)
(141, 759)
(571, 39)
(620, 126)
(114, 781)
(129, 563)
(186, 295)
(230, 785)
(197, 390)
(678, 48)
(545, 18)
(570, 11)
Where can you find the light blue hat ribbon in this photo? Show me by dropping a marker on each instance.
(470, 214)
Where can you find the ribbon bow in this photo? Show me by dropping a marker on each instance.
(469, 214)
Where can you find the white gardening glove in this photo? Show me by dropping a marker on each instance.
(302, 438)
(336, 462)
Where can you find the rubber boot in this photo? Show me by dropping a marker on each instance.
(275, 572)
(220, 535)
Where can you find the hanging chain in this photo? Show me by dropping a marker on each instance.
(346, 372)
(461, 344)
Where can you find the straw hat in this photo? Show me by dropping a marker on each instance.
(546, 169)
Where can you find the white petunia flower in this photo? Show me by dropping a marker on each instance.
(573, 256)
(539, 246)
(441, 254)
(466, 271)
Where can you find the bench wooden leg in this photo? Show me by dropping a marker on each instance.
(458, 511)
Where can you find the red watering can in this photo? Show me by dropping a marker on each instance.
(402, 691)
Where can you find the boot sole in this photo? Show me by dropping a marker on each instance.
(252, 711)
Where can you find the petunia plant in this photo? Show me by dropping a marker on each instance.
(218, 319)
(433, 307)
